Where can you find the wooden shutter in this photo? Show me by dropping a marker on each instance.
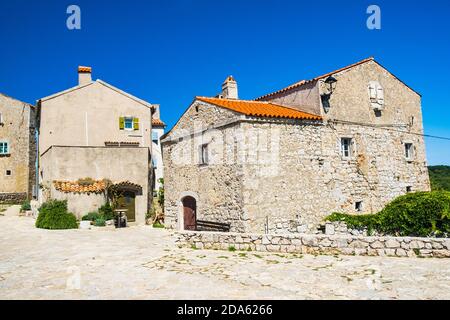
(136, 123)
(373, 92)
(121, 123)
(380, 95)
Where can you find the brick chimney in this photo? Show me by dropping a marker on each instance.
(230, 88)
(84, 75)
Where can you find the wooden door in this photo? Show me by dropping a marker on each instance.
(126, 200)
(189, 213)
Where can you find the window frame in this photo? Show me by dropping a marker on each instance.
(408, 149)
(125, 118)
(8, 148)
(204, 154)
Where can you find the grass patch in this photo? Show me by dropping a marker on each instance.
(231, 248)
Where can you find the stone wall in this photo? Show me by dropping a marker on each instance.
(13, 197)
(18, 130)
(318, 244)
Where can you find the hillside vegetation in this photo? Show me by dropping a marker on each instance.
(440, 177)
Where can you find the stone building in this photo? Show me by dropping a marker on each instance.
(347, 141)
(158, 127)
(17, 150)
(92, 137)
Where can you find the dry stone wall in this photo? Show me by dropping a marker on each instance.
(318, 244)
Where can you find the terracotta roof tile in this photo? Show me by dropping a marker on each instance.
(72, 186)
(84, 69)
(158, 122)
(260, 108)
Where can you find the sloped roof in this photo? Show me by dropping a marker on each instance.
(260, 108)
(143, 102)
(323, 76)
(158, 122)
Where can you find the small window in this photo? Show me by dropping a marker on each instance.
(4, 147)
(359, 206)
(346, 147)
(409, 154)
(1, 119)
(204, 154)
(128, 123)
(408, 189)
(8, 172)
(155, 137)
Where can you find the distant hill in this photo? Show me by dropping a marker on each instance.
(439, 177)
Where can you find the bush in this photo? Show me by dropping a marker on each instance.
(419, 214)
(53, 215)
(106, 212)
(91, 216)
(157, 224)
(26, 206)
(100, 222)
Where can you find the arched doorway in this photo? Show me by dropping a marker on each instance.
(189, 213)
(126, 200)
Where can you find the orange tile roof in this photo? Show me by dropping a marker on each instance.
(302, 82)
(73, 186)
(157, 122)
(84, 69)
(260, 108)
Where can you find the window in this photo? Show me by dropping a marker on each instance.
(4, 147)
(409, 151)
(155, 137)
(8, 172)
(204, 154)
(346, 147)
(408, 189)
(128, 123)
(358, 206)
(1, 119)
(155, 163)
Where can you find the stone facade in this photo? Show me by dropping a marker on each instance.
(18, 164)
(281, 175)
(318, 244)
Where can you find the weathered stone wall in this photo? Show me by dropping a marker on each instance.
(18, 130)
(13, 197)
(312, 179)
(215, 187)
(318, 244)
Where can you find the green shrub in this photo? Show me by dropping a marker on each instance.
(419, 214)
(106, 211)
(100, 222)
(91, 216)
(26, 206)
(157, 224)
(53, 215)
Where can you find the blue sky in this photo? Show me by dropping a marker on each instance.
(168, 51)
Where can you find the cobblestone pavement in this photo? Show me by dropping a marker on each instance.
(144, 263)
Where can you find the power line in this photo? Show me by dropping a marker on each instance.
(385, 127)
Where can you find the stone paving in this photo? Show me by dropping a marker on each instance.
(143, 263)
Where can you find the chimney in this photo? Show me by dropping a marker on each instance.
(156, 113)
(84, 75)
(230, 88)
